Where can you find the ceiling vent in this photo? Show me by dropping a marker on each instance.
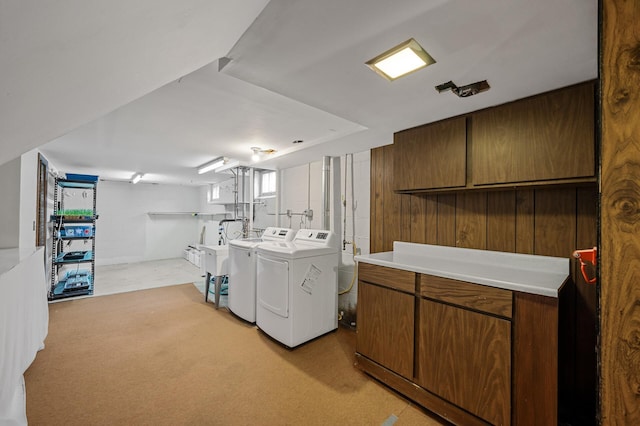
(464, 91)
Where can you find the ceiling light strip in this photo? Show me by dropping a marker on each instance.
(136, 178)
(213, 164)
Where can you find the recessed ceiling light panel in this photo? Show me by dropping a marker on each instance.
(401, 60)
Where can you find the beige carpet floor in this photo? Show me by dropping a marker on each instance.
(164, 357)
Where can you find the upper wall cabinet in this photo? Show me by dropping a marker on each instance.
(431, 156)
(542, 138)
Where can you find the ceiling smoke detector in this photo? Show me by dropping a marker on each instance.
(464, 91)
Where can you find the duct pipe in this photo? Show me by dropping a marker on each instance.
(326, 192)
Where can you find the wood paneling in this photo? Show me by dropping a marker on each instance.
(392, 204)
(525, 225)
(388, 219)
(397, 279)
(466, 359)
(431, 219)
(619, 254)
(535, 397)
(418, 232)
(545, 137)
(473, 296)
(555, 222)
(471, 220)
(501, 220)
(386, 327)
(431, 156)
(405, 224)
(377, 223)
(446, 228)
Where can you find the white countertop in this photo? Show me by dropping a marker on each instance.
(542, 275)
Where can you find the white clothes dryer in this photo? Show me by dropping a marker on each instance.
(297, 287)
(242, 270)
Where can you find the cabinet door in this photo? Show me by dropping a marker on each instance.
(465, 358)
(545, 137)
(431, 156)
(385, 327)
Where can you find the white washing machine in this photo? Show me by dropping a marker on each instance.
(297, 287)
(242, 270)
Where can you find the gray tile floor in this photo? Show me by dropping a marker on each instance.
(112, 279)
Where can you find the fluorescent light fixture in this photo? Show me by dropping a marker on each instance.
(214, 164)
(227, 165)
(136, 178)
(401, 60)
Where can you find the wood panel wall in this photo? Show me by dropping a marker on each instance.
(620, 214)
(546, 221)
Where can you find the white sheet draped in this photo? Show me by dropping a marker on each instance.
(24, 323)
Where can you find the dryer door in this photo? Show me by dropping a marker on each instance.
(273, 285)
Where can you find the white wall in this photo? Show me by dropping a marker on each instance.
(10, 205)
(358, 213)
(125, 232)
(264, 213)
(301, 188)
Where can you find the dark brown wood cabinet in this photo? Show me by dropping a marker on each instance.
(386, 317)
(431, 156)
(463, 349)
(460, 349)
(542, 138)
(466, 359)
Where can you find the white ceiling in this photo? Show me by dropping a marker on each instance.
(297, 72)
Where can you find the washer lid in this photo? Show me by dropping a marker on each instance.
(294, 250)
(245, 243)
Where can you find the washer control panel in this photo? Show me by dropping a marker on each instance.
(278, 234)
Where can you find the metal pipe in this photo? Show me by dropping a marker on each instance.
(344, 203)
(326, 192)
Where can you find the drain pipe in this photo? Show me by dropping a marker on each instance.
(326, 192)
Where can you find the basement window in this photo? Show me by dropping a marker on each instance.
(265, 183)
(213, 194)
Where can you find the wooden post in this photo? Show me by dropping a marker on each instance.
(619, 278)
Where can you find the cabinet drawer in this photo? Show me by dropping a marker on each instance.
(492, 300)
(388, 277)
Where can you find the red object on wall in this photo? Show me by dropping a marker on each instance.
(588, 255)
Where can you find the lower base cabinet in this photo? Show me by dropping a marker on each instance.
(468, 352)
(465, 358)
(385, 327)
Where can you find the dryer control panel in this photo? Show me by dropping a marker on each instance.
(317, 236)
